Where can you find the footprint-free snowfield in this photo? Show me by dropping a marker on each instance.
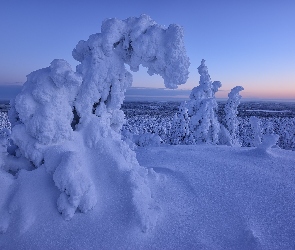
(205, 197)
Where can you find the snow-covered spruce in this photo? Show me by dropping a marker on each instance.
(256, 131)
(69, 123)
(231, 111)
(4, 121)
(179, 132)
(202, 106)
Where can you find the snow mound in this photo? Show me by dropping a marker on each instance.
(147, 139)
(268, 141)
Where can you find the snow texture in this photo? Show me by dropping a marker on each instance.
(238, 199)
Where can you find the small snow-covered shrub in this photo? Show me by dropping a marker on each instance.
(147, 139)
(268, 141)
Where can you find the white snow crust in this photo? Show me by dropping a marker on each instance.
(209, 197)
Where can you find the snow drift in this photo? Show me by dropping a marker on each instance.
(210, 197)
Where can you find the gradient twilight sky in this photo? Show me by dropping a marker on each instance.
(245, 42)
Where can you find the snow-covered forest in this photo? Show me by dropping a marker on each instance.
(157, 118)
(76, 174)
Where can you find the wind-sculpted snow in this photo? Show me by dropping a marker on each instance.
(44, 105)
(69, 123)
(237, 199)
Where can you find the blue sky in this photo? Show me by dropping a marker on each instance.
(248, 43)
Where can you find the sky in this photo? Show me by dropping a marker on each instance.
(248, 43)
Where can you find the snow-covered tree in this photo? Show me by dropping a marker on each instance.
(231, 111)
(69, 122)
(4, 141)
(202, 107)
(256, 131)
(179, 133)
(4, 121)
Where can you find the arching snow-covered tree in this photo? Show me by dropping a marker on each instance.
(231, 111)
(202, 107)
(134, 41)
(81, 152)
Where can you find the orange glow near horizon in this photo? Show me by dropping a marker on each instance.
(261, 94)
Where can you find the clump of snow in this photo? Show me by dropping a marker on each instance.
(44, 105)
(268, 141)
(147, 139)
(78, 190)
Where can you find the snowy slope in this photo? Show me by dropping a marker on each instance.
(206, 197)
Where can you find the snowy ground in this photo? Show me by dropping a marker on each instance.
(208, 197)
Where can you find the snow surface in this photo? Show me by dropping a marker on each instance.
(270, 111)
(207, 197)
